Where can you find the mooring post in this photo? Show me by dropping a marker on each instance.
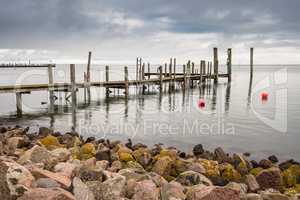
(251, 62)
(143, 78)
(73, 83)
(216, 65)
(51, 92)
(106, 80)
(126, 81)
(229, 60)
(201, 71)
(19, 103)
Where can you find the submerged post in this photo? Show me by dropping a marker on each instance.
(251, 62)
(229, 60)
(216, 65)
(73, 83)
(106, 80)
(51, 92)
(126, 81)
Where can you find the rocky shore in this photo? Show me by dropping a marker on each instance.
(49, 165)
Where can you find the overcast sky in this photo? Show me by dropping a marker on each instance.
(121, 30)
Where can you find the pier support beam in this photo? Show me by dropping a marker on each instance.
(160, 79)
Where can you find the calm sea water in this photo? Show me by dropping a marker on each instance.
(231, 118)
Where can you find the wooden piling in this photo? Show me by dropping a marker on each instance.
(170, 68)
(126, 81)
(51, 92)
(251, 62)
(19, 103)
(148, 70)
(166, 72)
(216, 65)
(160, 79)
(73, 83)
(184, 77)
(229, 65)
(137, 69)
(88, 73)
(106, 80)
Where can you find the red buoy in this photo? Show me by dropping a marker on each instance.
(201, 103)
(264, 96)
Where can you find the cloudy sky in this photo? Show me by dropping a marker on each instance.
(121, 30)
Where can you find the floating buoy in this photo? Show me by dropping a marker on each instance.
(201, 103)
(264, 96)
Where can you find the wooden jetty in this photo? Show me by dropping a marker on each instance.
(188, 78)
(25, 65)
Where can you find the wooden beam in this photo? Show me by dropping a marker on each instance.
(216, 64)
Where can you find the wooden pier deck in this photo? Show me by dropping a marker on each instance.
(167, 73)
(26, 65)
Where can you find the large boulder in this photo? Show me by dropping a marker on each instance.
(38, 154)
(251, 196)
(200, 192)
(14, 180)
(172, 190)
(273, 195)
(62, 154)
(251, 182)
(163, 166)
(146, 190)
(63, 180)
(47, 194)
(190, 178)
(51, 142)
(46, 183)
(81, 190)
(111, 189)
(198, 150)
(270, 178)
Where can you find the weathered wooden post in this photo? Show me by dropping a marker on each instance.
(148, 70)
(184, 77)
(188, 73)
(126, 82)
(216, 65)
(51, 92)
(251, 62)
(85, 82)
(201, 71)
(166, 70)
(193, 72)
(19, 103)
(174, 72)
(160, 79)
(170, 68)
(143, 78)
(106, 80)
(229, 60)
(73, 83)
(137, 69)
(88, 73)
